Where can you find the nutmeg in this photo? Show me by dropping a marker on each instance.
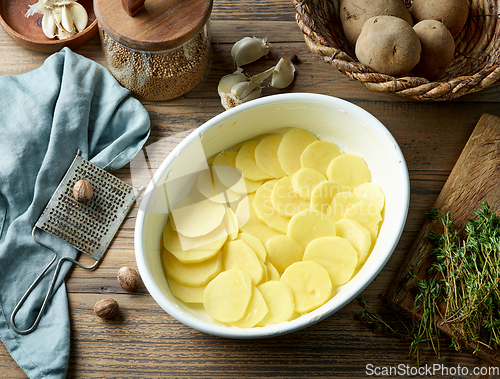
(106, 308)
(128, 279)
(82, 191)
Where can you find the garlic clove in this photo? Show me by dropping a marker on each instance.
(48, 24)
(255, 94)
(228, 81)
(63, 33)
(242, 89)
(80, 16)
(283, 74)
(57, 15)
(248, 50)
(67, 19)
(229, 101)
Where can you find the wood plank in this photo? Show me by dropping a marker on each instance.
(474, 179)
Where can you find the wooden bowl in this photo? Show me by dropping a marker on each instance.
(27, 31)
(475, 66)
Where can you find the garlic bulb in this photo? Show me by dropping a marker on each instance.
(248, 50)
(61, 18)
(283, 74)
(236, 88)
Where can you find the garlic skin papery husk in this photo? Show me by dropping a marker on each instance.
(283, 74)
(237, 88)
(248, 50)
(61, 18)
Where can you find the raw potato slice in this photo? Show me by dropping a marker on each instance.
(341, 201)
(226, 298)
(264, 209)
(310, 284)
(371, 193)
(266, 156)
(237, 254)
(242, 211)
(305, 180)
(319, 154)
(172, 243)
(231, 176)
(255, 245)
(279, 300)
(245, 161)
(322, 195)
(252, 185)
(367, 214)
(272, 273)
(285, 200)
(255, 227)
(357, 235)
(336, 255)
(195, 215)
(256, 311)
(231, 224)
(211, 187)
(192, 274)
(291, 147)
(309, 225)
(349, 170)
(282, 251)
(188, 294)
(231, 179)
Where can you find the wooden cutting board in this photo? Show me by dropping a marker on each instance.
(474, 179)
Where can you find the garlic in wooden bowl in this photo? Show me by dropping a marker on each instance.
(349, 127)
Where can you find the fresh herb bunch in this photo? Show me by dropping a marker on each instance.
(467, 277)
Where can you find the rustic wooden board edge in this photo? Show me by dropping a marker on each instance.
(469, 184)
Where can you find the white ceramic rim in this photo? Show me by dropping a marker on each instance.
(311, 317)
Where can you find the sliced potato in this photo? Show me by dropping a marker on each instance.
(322, 195)
(319, 154)
(265, 211)
(285, 200)
(226, 297)
(254, 244)
(341, 201)
(336, 255)
(291, 147)
(230, 222)
(266, 156)
(357, 235)
(191, 274)
(172, 243)
(279, 300)
(282, 251)
(310, 284)
(304, 180)
(367, 214)
(237, 254)
(210, 187)
(257, 309)
(255, 227)
(349, 170)
(371, 193)
(232, 177)
(245, 161)
(188, 294)
(272, 273)
(309, 225)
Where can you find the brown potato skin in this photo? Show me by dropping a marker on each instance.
(354, 13)
(452, 13)
(388, 45)
(438, 48)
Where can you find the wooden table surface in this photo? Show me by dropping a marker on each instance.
(144, 341)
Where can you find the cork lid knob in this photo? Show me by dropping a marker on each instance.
(132, 7)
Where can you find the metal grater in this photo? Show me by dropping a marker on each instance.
(89, 227)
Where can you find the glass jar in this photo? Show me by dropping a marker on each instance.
(160, 53)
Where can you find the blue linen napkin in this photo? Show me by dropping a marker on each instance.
(46, 115)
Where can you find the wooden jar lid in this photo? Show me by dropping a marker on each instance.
(158, 26)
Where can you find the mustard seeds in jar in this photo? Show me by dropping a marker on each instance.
(160, 53)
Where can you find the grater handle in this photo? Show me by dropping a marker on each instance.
(35, 283)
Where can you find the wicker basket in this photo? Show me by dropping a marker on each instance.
(476, 64)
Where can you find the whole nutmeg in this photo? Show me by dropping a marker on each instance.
(82, 191)
(106, 308)
(128, 279)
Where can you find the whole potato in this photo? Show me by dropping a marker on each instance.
(452, 13)
(388, 45)
(438, 48)
(354, 13)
